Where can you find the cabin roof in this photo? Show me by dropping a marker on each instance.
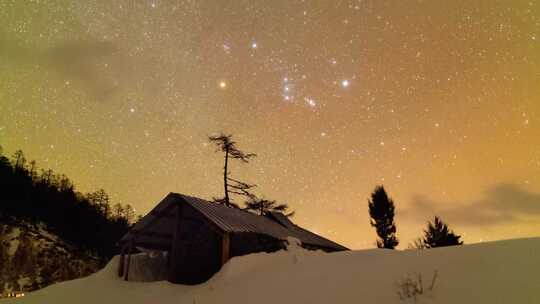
(160, 220)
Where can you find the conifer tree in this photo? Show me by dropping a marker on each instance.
(231, 185)
(83, 220)
(117, 210)
(264, 206)
(381, 211)
(129, 213)
(437, 234)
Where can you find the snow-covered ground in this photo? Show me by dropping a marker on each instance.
(496, 272)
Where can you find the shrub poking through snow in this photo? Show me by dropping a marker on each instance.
(412, 286)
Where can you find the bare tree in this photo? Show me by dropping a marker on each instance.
(231, 185)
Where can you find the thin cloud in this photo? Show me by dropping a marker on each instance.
(76, 61)
(501, 204)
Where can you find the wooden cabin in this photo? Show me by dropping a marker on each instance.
(200, 236)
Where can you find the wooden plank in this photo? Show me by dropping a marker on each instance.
(225, 247)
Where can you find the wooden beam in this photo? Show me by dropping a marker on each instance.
(130, 248)
(225, 247)
(153, 245)
(121, 263)
(174, 253)
(155, 234)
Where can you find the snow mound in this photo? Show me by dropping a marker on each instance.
(495, 272)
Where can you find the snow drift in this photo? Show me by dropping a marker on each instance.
(495, 272)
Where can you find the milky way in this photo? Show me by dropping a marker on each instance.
(438, 101)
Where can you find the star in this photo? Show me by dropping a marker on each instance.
(157, 77)
(310, 102)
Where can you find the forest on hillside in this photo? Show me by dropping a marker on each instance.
(86, 221)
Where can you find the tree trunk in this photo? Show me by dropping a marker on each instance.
(227, 203)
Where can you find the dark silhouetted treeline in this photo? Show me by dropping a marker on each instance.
(86, 221)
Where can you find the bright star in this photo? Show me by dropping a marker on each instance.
(345, 83)
(310, 102)
(254, 45)
(222, 84)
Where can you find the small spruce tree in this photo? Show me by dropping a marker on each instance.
(264, 206)
(381, 211)
(437, 234)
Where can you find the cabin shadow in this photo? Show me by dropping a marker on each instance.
(198, 237)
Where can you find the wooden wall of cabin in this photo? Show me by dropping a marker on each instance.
(246, 243)
(199, 249)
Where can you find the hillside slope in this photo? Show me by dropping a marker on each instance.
(496, 272)
(32, 257)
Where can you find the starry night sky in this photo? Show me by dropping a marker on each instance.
(437, 100)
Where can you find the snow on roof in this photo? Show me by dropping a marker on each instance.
(158, 223)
